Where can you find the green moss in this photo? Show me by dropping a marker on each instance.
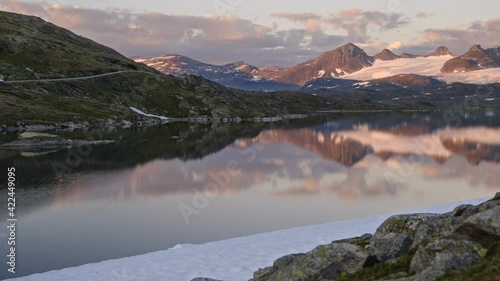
(297, 273)
(321, 251)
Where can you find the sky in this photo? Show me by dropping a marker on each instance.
(265, 33)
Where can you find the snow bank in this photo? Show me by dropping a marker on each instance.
(149, 115)
(430, 66)
(484, 76)
(233, 259)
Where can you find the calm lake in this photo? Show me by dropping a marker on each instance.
(186, 183)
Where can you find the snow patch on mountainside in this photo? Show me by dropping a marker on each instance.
(484, 76)
(140, 112)
(430, 66)
(426, 66)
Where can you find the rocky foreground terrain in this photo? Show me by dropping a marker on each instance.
(460, 245)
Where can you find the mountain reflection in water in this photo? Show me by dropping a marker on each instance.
(302, 172)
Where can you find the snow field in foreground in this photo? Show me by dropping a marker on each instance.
(232, 260)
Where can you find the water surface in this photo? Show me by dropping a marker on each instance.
(186, 183)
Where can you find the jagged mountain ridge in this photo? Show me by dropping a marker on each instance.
(234, 75)
(346, 59)
(343, 61)
(476, 58)
(441, 51)
(386, 55)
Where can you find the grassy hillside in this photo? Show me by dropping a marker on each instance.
(32, 49)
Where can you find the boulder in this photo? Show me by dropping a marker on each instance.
(416, 247)
(401, 233)
(327, 262)
(391, 246)
(433, 260)
(396, 235)
(483, 227)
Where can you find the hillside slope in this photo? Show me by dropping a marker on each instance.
(32, 49)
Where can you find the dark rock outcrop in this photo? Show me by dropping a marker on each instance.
(344, 60)
(476, 58)
(409, 80)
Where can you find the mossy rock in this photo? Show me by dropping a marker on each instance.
(323, 263)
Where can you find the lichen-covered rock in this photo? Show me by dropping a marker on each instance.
(418, 247)
(432, 261)
(483, 227)
(400, 233)
(397, 234)
(326, 262)
(391, 246)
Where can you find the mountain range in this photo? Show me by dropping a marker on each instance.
(347, 61)
(476, 58)
(52, 77)
(237, 75)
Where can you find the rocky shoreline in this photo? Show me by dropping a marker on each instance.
(70, 126)
(136, 122)
(39, 143)
(463, 244)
